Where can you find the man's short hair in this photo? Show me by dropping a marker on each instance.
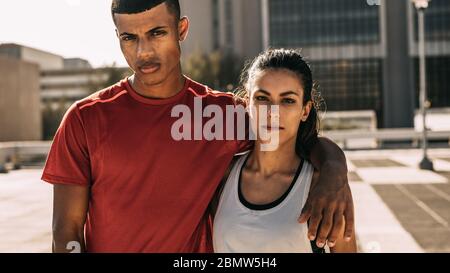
(138, 6)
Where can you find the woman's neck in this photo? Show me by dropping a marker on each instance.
(282, 160)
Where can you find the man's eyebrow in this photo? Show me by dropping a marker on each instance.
(150, 31)
(157, 28)
(127, 34)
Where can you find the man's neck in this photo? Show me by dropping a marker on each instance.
(166, 89)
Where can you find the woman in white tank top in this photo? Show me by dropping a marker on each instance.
(267, 188)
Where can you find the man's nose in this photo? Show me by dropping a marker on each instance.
(145, 49)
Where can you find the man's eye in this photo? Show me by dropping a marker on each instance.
(127, 38)
(159, 33)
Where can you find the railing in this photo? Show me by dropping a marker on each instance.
(14, 154)
(377, 136)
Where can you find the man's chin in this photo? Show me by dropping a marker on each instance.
(149, 80)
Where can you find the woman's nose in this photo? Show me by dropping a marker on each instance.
(274, 111)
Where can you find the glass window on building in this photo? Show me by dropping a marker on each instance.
(322, 22)
(437, 31)
(437, 21)
(438, 81)
(350, 84)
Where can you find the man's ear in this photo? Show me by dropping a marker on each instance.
(306, 111)
(183, 28)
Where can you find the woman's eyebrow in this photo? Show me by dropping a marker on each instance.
(263, 91)
(289, 93)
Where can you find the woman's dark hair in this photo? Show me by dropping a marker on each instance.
(293, 61)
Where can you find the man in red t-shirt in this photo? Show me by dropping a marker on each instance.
(122, 183)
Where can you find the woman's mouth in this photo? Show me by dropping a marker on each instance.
(273, 128)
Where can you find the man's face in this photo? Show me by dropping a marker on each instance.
(150, 42)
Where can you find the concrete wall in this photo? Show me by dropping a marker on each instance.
(246, 24)
(20, 115)
(200, 36)
(252, 39)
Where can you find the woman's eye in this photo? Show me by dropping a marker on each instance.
(288, 101)
(261, 98)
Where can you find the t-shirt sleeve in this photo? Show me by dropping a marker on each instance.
(68, 160)
(246, 144)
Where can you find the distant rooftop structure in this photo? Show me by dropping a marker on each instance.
(76, 63)
(45, 60)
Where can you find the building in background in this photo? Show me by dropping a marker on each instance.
(228, 25)
(437, 32)
(20, 111)
(76, 63)
(74, 84)
(202, 29)
(223, 35)
(364, 56)
(59, 83)
(44, 59)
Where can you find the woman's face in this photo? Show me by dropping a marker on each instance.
(282, 88)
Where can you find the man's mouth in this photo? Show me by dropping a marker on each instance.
(149, 68)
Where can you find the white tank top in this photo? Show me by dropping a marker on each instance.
(239, 229)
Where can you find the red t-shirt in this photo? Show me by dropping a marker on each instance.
(149, 192)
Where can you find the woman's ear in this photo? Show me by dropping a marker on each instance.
(306, 110)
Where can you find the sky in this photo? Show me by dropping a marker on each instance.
(71, 28)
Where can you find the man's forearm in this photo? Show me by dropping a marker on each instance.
(68, 241)
(326, 154)
(330, 195)
(70, 206)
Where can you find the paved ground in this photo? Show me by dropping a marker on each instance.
(399, 208)
(25, 212)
